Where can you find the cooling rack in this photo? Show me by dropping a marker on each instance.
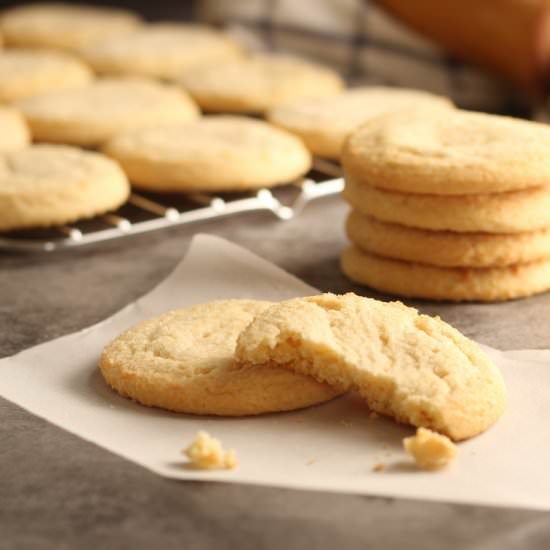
(145, 212)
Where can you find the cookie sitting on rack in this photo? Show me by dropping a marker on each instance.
(258, 83)
(45, 185)
(64, 26)
(90, 115)
(324, 124)
(215, 153)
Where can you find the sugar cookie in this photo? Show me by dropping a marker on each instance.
(448, 152)
(161, 50)
(183, 361)
(456, 284)
(507, 212)
(14, 134)
(258, 83)
(89, 116)
(447, 248)
(214, 153)
(51, 184)
(324, 124)
(27, 73)
(63, 26)
(412, 367)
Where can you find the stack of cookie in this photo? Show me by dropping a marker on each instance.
(449, 205)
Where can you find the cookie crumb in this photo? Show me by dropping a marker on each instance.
(430, 450)
(311, 461)
(380, 467)
(207, 453)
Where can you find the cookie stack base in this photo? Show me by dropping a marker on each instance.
(415, 280)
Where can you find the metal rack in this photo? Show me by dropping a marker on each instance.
(146, 212)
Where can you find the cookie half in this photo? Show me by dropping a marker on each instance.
(414, 280)
(183, 361)
(258, 83)
(63, 26)
(162, 51)
(507, 212)
(449, 152)
(324, 124)
(90, 115)
(215, 153)
(447, 248)
(27, 73)
(46, 185)
(14, 133)
(412, 367)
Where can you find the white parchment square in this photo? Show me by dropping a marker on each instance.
(329, 447)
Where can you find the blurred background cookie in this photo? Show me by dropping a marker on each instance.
(161, 50)
(215, 153)
(14, 132)
(324, 124)
(258, 83)
(64, 26)
(90, 115)
(27, 73)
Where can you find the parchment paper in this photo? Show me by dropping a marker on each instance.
(331, 447)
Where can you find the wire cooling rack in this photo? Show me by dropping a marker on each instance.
(145, 212)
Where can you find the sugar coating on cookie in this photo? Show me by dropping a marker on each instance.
(27, 73)
(14, 133)
(506, 212)
(64, 26)
(446, 248)
(412, 367)
(207, 453)
(90, 115)
(45, 185)
(214, 153)
(448, 152)
(258, 83)
(458, 284)
(324, 124)
(430, 450)
(161, 50)
(183, 361)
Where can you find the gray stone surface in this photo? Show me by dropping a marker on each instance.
(59, 492)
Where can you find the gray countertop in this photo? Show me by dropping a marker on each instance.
(58, 491)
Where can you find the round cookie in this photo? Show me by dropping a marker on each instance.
(90, 115)
(216, 153)
(447, 248)
(412, 367)
(450, 284)
(27, 73)
(47, 185)
(324, 124)
(258, 83)
(63, 26)
(183, 361)
(449, 152)
(14, 134)
(161, 51)
(508, 212)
